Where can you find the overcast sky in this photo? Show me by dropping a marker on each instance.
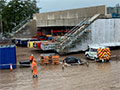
(54, 5)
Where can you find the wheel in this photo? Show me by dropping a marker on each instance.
(95, 58)
(106, 60)
(88, 57)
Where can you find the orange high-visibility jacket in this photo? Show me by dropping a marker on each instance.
(34, 67)
(31, 57)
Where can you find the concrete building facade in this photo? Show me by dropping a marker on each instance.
(67, 17)
(58, 21)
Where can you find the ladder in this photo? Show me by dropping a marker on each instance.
(71, 37)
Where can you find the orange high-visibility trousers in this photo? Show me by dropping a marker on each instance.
(35, 72)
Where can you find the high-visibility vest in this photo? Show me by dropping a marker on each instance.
(34, 65)
(31, 57)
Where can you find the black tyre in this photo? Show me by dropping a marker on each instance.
(88, 57)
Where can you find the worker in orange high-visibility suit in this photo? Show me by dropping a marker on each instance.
(31, 58)
(34, 68)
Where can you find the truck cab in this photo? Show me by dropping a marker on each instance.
(92, 52)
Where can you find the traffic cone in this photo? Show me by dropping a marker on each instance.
(11, 68)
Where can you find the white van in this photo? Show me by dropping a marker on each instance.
(92, 52)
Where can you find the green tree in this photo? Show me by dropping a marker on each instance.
(2, 5)
(16, 12)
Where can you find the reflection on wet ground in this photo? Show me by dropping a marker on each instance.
(98, 76)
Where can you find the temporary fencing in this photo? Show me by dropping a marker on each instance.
(49, 59)
(9, 64)
(55, 60)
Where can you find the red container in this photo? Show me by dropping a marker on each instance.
(39, 33)
(39, 45)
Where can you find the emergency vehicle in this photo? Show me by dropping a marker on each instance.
(98, 53)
